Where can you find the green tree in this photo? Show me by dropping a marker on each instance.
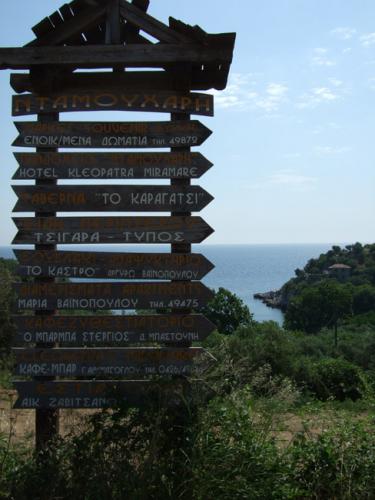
(318, 306)
(363, 299)
(227, 312)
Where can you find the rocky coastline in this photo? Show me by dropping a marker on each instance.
(272, 299)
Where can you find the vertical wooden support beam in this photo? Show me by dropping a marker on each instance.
(113, 27)
(46, 421)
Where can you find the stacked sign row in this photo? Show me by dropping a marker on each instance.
(95, 346)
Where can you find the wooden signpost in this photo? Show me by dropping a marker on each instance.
(93, 394)
(87, 34)
(102, 100)
(113, 330)
(112, 296)
(105, 361)
(134, 198)
(162, 266)
(111, 135)
(179, 165)
(85, 230)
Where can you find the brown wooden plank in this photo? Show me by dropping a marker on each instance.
(43, 27)
(179, 165)
(104, 56)
(96, 394)
(116, 330)
(132, 80)
(75, 362)
(150, 25)
(72, 27)
(112, 265)
(99, 100)
(84, 230)
(111, 134)
(111, 296)
(106, 198)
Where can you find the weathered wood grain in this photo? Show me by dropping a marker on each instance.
(201, 79)
(104, 56)
(84, 230)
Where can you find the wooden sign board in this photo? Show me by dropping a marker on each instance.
(114, 100)
(107, 198)
(112, 265)
(111, 296)
(94, 394)
(176, 165)
(91, 362)
(110, 135)
(113, 330)
(85, 230)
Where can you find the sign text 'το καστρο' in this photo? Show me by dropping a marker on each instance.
(112, 265)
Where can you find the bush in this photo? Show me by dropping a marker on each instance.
(334, 378)
(338, 464)
(227, 312)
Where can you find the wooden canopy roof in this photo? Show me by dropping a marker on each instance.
(117, 33)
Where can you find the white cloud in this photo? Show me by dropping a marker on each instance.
(332, 150)
(316, 96)
(321, 58)
(367, 40)
(284, 179)
(244, 92)
(335, 82)
(343, 33)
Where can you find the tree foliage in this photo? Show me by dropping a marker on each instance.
(228, 312)
(322, 305)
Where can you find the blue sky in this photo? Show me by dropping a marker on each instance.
(294, 132)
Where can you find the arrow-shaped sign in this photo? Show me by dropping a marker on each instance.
(92, 198)
(175, 165)
(130, 361)
(112, 296)
(118, 330)
(179, 134)
(112, 265)
(94, 393)
(85, 230)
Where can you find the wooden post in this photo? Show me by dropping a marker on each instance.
(46, 420)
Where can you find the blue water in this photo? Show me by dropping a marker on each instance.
(242, 269)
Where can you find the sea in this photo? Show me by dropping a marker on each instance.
(242, 269)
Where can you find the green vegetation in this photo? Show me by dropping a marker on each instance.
(321, 295)
(283, 412)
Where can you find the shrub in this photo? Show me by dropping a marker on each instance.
(334, 378)
(338, 464)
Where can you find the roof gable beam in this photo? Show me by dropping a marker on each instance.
(150, 25)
